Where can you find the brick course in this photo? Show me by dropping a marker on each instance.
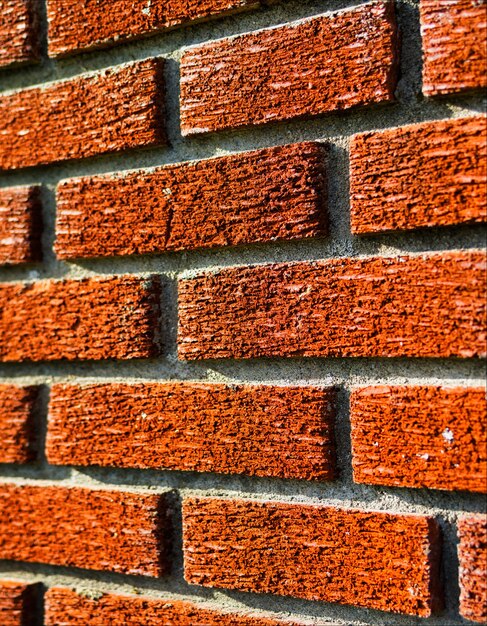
(20, 225)
(19, 32)
(18, 436)
(18, 603)
(472, 553)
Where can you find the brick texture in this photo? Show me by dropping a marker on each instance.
(454, 51)
(277, 193)
(19, 32)
(87, 25)
(429, 306)
(263, 430)
(20, 225)
(85, 116)
(107, 318)
(375, 560)
(17, 427)
(18, 603)
(93, 529)
(326, 64)
(66, 607)
(432, 174)
(472, 553)
(430, 437)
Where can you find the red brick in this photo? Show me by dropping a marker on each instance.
(114, 110)
(18, 603)
(107, 318)
(17, 427)
(472, 553)
(329, 63)
(66, 607)
(20, 225)
(376, 560)
(423, 436)
(432, 174)
(263, 430)
(19, 32)
(277, 193)
(87, 25)
(454, 51)
(113, 531)
(424, 306)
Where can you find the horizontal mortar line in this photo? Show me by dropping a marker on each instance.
(173, 265)
(345, 372)
(169, 41)
(326, 128)
(341, 493)
(327, 613)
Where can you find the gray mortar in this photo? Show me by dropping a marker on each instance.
(345, 373)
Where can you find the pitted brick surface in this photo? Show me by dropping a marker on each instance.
(86, 24)
(18, 603)
(17, 427)
(113, 531)
(106, 318)
(430, 437)
(118, 109)
(326, 64)
(429, 306)
(263, 430)
(432, 174)
(19, 32)
(377, 560)
(20, 225)
(66, 607)
(454, 50)
(472, 554)
(277, 193)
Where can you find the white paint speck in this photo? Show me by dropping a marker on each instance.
(448, 435)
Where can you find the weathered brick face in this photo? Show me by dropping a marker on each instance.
(243, 312)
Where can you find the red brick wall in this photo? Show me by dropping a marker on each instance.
(242, 312)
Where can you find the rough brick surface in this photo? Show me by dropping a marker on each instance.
(19, 32)
(472, 553)
(18, 603)
(454, 51)
(107, 318)
(20, 225)
(263, 430)
(86, 24)
(277, 193)
(430, 306)
(66, 607)
(17, 427)
(317, 66)
(113, 110)
(376, 560)
(420, 437)
(432, 174)
(93, 529)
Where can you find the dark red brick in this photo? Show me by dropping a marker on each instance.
(454, 50)
(472, 553)
(87, 24)
(423, 306)
(18, 603)
(432, 174)
(277, 193)
(376, 560)
(66, 607)
(329, 63)
(114, 531)
(263, 430)
(20, 225)
(114, 110)
(19, 32)
(423, 436)
(17, 427)
(106, 318)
